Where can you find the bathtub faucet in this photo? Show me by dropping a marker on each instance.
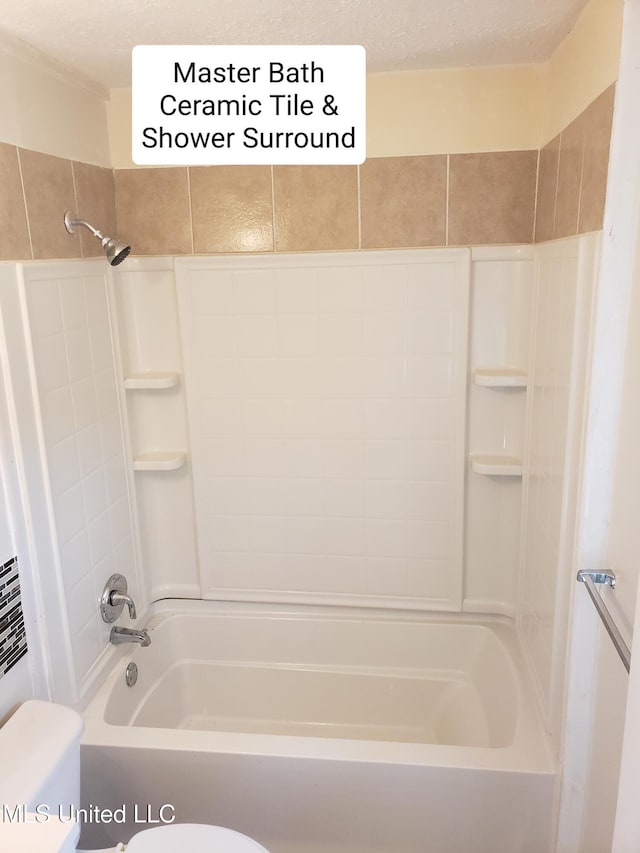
(119, 636)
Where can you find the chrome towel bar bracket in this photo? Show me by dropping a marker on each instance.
(591, 579)
(605, 577)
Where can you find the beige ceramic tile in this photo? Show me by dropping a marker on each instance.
(231, 208)
(152, 207)
(95, 192)
(403, 201)
(547, 187)
(48, 190)
(14, 234)
(597, 120)
(491, 197)
(569, 177)
(316, 208)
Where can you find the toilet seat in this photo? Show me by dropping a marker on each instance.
(192, 837)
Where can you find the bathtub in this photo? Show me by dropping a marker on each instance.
(324, 730)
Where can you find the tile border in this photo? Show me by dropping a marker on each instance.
(323, 234)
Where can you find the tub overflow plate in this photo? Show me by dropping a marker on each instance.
(131, 674)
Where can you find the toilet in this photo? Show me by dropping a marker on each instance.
(40, 748)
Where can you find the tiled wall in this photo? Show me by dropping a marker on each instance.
(388, 202)
(36, 191)
(573, 174)
(73, 357)
(326, 400)
(565, 282)
(549, 412)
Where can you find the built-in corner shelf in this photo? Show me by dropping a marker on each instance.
(151, 381)
(500, 377)
(160, 460)
(496, 465)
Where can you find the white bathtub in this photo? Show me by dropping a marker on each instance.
(320, 730)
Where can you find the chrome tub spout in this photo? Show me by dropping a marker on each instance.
(130, 635)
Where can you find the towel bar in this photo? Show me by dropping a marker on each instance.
(590, 579)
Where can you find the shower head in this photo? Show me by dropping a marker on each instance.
(115, 251)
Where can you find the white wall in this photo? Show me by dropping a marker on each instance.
(559, 363)
(609, 525)
(626, 561)
(500, 317)
(150, 341)
(29, 677)
(326, 398)
(76, 470)
(608, 532)
(17, 685)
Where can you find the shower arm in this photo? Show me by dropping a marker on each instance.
(70, 224)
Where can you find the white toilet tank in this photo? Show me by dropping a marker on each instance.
(40, 749)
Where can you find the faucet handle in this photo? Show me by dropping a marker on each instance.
(114, 597)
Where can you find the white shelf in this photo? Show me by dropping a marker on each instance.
(151, 381)
(160, 460)
(496, 465)
(500, 377)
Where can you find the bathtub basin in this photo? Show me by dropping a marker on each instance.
(325, 729)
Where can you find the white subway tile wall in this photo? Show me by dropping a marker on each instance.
(326, 401)
(546, 517)
(74, 366)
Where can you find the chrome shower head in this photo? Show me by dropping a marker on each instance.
(114, 250)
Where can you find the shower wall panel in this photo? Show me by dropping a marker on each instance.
(83, 458)
(500, 320)
(326, 398)
(17, 684)
(559, 365)
(149, 338)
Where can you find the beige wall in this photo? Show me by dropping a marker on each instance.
(119, 124)
(468, 110)
(584, 65)
(443, 111)
(496, 109)
(45, 108)
(453, 110)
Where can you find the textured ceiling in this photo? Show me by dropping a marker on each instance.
(96, 38)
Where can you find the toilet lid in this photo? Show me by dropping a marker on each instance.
(192, 837)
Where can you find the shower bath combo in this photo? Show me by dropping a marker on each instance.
(281, 651)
